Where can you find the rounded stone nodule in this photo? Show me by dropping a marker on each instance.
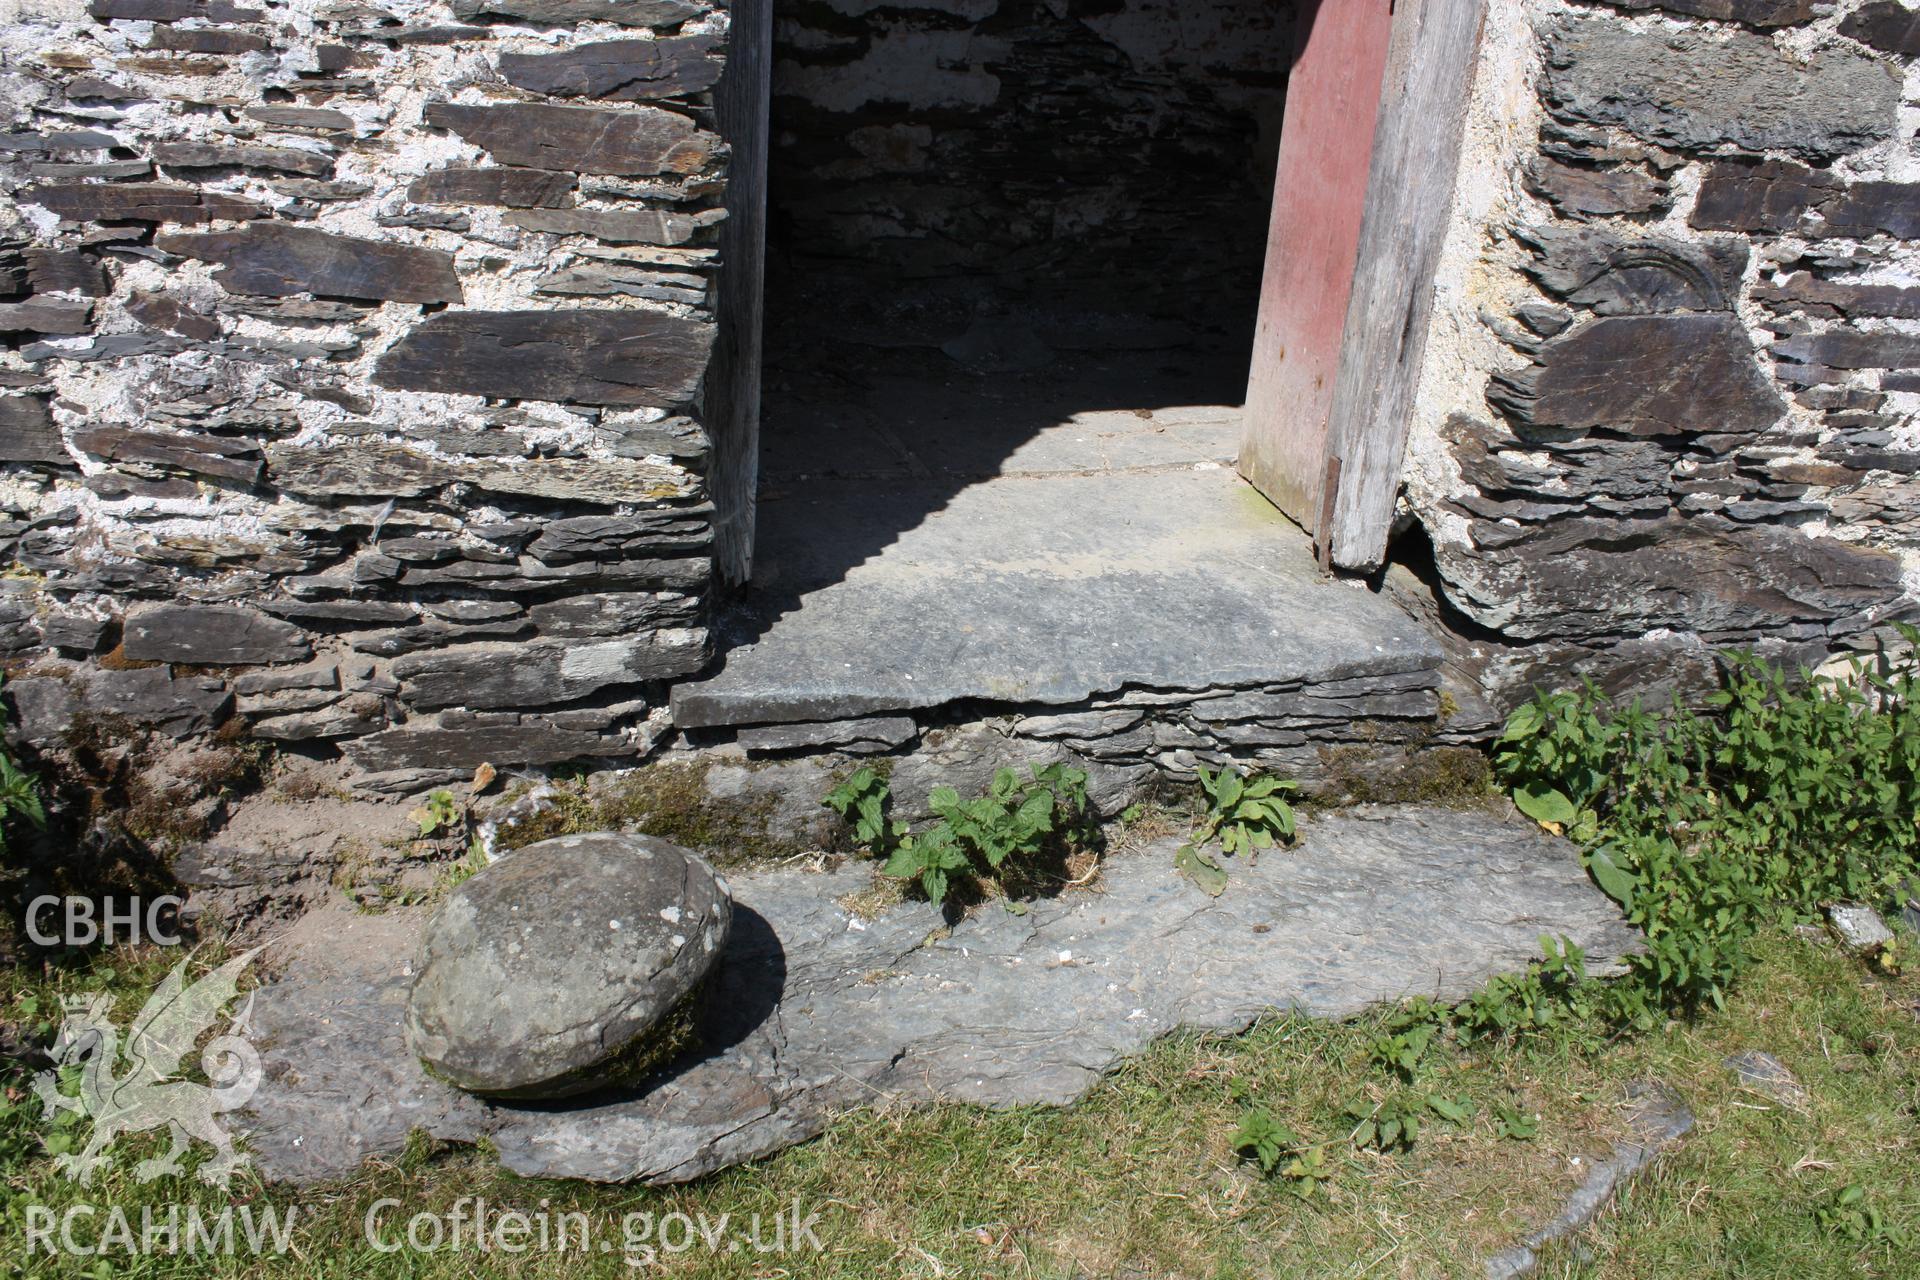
(568, 966)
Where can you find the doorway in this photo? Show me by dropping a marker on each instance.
(1014, 258)
(991, 219)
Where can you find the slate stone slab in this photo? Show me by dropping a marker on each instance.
(275, 260)
(1658, 1118)
(1866, 209)
(602, 482)
(1613, 274)
(627, 13)
(139, 202)
(301, 117)
(105, 169)
(1583, 192)
(77, 632)
(610, 613)
(372, 468)
(636, 142)
(1646, 376)
(206, 40)
(1885, 24)
(1859, 926)
(212, 636)
(164, 311)
(467, 746)
(1764, 1073)
(1765, 195)
(1851, 349)
(174, 10)
(46, 315)
(611, 280)
(538, 974)
(27, 433)
(66, 271)
(816, 1011)
(874, 733)
(1577, 578)
(114, 346)
(1038, 589)
(1811, 293)
(641, 226)
(537, 675)
(1753, 13)
(208, 155)
(513, 188)
(529, 577)
(40, 709)
(152, 697)
(619, 70)
(1690, 89)
(148, 10)
(221, 456)
(612, 537)
(586, 357)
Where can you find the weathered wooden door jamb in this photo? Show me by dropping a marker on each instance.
(1416, 157)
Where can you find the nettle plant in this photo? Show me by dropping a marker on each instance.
(1281, 1153)
(1784, 792)
(1244, 814)
(861, 802)
(1008, 835)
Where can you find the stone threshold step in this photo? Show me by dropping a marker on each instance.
(1038, 591)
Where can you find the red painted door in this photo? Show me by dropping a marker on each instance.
(1326, 144)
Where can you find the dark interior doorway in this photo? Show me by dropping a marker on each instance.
(988, 216)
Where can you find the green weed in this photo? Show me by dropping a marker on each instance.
(1007, 835)
(1244, 814)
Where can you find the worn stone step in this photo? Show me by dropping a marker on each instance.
(1037, 589)
(817, 1010)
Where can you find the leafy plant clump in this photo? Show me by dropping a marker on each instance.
(1786, 792)
(20, 801)
(440, 812)
(1282, 1153)
(1408, 1055)
(861, 801)
(1009, 835)
(1849, 1214)
(1244, 814)
(19, 796)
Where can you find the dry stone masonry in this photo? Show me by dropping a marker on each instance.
(1006, 178)
(354, 369)
(1695, 242)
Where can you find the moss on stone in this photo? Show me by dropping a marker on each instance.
(675, 1033)
(1453, 777)
(669, 800)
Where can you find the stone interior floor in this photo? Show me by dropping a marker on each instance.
(1004, 523)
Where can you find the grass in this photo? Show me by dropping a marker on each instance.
(1139, 1180)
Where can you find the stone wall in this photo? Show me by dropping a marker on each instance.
(1669, 404)
(1096, 172)
(353, 370)
(355, 356)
